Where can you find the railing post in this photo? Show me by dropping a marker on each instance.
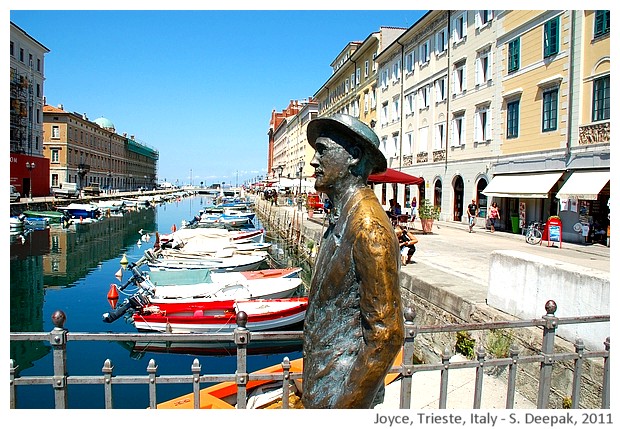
(242, 338)
(512, 377)
(443, 388)
(107, 383)
(406, 370)
(13, 397)
(196, 383)
(479, 377)
(546, 366)
(576, 393)
(286, 376)
(58, 341)
(606, 366)
(152, 370)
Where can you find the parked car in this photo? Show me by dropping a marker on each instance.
(15, 196)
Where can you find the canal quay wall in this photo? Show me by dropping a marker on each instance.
(451, 286)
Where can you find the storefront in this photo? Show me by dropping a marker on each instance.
(584, 206)
(523, 198)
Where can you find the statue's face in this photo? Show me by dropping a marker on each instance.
(331, 163)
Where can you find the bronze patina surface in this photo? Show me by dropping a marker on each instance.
(354, 326)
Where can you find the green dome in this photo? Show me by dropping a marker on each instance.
(104, 123)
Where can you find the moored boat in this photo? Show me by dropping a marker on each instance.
(221, 316)
(83, 210)
(233, 262)
(165, 277)
(261, 393)
(50, 215)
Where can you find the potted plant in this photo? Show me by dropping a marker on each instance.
(428, 213)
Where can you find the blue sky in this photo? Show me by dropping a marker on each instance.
(197, 85)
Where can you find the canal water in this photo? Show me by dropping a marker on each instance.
(71, 270)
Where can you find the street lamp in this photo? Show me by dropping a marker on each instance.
(279, 169)
(300, 166)
(30, 166)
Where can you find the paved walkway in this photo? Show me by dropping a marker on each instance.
(452, 258)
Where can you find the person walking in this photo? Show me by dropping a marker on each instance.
(472, 213)
(353, 327)
(494, 216)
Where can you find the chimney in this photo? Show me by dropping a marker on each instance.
(61, 107)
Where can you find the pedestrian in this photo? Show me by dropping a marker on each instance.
(353, 327)
(472, 213)
(414, 208)
(494, 216)
(407, 242)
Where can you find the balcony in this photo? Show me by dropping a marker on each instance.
(422, 157)
(439, 155)
(594, 133)
(407, 160)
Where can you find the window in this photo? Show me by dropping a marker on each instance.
(12, 49)
(600, 99)
(358, 76)
(550, 110)
(423, 140)
(396, 71)
(21, 54)
(366, 68)
(55, 132)
(38, 64)
(346, 85)
(483, 17)
(395, 145)
(482, 125)
(424, 97)
(458, 130)
(441, 41)
(373, 98)
(440, 136)
(551, 37)
(410, 103)
(366, 98)
(514, 55)
(425, 49)
(384, 78)
(440, 89)
(408, 146)
(38, 90)
(55, 185)
(409, 62)
(512, 119)
(384, 113)
(459, 31)
(396, 109)
(483, 67)
(54, 153)
(601, 22)
(459, 81)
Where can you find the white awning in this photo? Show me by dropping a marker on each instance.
(584, 185)
(522, 185)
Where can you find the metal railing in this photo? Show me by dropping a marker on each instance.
(242, 338)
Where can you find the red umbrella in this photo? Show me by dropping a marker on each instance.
(394, 176)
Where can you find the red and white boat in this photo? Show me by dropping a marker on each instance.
(221, 316)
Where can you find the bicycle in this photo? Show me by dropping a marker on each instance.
(533, 233)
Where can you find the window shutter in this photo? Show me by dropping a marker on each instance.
(464, 24)
(478, 70)
(490, 14)
(464, 82)
(455, 134)
(477, 127)
(487, 131)
(490, 69)
(478, 19)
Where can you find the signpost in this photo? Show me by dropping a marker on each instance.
(554, 231)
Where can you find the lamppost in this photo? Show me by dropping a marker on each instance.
(30, 166)
(279, 169)
(300, 166)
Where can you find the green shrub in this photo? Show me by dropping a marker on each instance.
(465, 344)
(498, 343)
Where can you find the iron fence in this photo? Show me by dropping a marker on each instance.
(60, 380)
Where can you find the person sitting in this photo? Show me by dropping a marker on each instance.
(394, 212)
(407, 242)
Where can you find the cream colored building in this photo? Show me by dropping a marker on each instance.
(499, 105)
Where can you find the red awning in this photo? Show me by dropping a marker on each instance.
(394, 176)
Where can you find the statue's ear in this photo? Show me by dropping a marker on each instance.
(356, 155)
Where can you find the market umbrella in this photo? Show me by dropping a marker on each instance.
(394, 176)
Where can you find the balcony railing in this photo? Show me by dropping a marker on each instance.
(407, 160)
(439, 155)
(422, 157)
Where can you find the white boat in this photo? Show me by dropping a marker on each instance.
(234, 262)
(113, 206)
(83, 210)
(165, 277)
(219, 291)
(216, 237)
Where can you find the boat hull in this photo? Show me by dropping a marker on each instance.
(221, 316)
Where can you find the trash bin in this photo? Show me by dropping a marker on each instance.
(515, 224)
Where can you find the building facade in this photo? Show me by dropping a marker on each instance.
(91, 152)
(28, 168)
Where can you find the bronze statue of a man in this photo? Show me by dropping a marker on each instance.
(354, 322)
